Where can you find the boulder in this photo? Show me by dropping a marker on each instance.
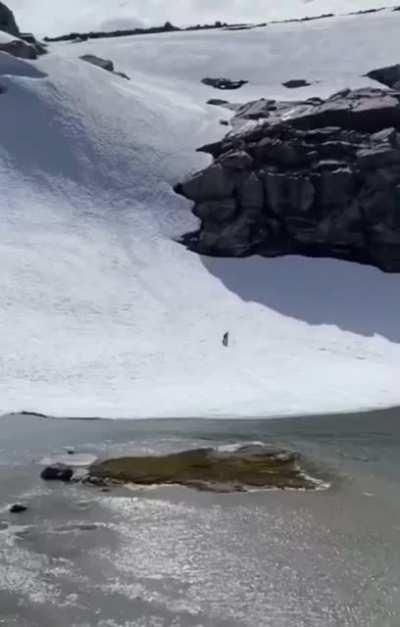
(318, 178)
(251, 193)
(218, 210)
(296, 83)
(29, 38)
(19, 48)
(57, 472)
(18, 508)
(213, 183)
(7, 21)
(236, 160)
(104, 64)
(389, 75)
(223, 83)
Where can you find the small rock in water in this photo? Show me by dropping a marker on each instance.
(69, 450)
(57, 472)
(18, 508)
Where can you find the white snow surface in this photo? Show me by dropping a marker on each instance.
(102, 313)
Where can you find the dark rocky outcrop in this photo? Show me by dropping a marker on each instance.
(319, 178)
(296, 83)
(104, 64)
(223, 83)
(249, 466)
(57, 472)
(18, 508)
(20, 49)
(7, 21)
(389, 76)
(29, 38)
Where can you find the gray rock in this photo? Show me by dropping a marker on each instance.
(233, 236)
(296, 83)
(288, 193)
(57, 472)
(377, 157)
(213, 183)
(236, 160)
(315, 178)
(104, 64)
(218, 210)
(39, 47)
(251, 193)
(19, 48)
(389, 75)
(223, 83)
(18, 508)
(336, 188)
(7, 20)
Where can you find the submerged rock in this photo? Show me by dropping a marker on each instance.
(318, 178)
(254, 466)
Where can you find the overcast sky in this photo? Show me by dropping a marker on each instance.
(60, 16)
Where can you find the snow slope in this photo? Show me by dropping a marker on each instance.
(42, 17)
(101, 312)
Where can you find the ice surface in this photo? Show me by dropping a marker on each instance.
(102, 313)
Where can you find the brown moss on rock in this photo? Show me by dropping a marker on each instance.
(247, 467)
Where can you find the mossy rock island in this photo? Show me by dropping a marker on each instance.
(247, 467)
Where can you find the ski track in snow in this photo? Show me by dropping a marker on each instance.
(102, 312)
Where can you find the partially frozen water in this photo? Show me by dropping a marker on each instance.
(80, 557)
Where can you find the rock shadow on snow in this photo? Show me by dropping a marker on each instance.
(355, 298)
(13, 66)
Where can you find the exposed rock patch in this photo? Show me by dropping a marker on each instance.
(104, 64)
(20, 49)
(18, 508)
(296, 83)
(249, 466)
(223, 83)
(389, 76)
(7, 21)
(57, 472)
(319, 178)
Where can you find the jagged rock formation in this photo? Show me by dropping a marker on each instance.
(319, 178)
(7, 21)
(25, 45)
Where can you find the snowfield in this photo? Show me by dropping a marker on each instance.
(43, 18)
(102, 313)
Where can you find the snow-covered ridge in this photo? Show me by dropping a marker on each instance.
(42, 17)
(102, 312)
